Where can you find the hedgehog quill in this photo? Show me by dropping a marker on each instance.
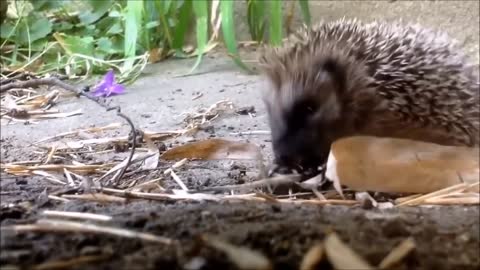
(347, 78)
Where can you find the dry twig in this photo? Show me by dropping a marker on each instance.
(50, 225)
(78, 215)
(57, 82)
(279, 180)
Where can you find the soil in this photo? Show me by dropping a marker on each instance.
(446, 237)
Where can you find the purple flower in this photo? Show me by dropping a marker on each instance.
(108, 87)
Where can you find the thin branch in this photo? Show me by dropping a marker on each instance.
(280, 180)
(50, 225)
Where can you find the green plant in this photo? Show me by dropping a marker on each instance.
(80, 38)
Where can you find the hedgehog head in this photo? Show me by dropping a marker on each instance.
(307, 102)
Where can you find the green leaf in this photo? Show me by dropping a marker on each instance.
(184, 16)
(39, 44)
(7, 29)
(88, 30)
(106, 45)
(117, 43)
(41, 5)
(62, 26)
(116, 28)
(305, 12)
(162, 6)
(98, 9)
(152, 24)
(37, 28)
(256, 19)
(228, 30)
(133, 24)
(275, 30)
(75, 44)
(200, 9)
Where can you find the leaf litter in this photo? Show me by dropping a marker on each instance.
(30, 105)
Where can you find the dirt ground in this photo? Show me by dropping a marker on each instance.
(446, 237)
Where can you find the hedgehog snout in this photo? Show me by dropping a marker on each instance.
(301, 151)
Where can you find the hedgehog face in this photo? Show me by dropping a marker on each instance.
(302, 118)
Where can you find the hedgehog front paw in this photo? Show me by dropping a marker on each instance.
(279, 169)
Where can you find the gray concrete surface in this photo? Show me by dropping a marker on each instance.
(155, 103)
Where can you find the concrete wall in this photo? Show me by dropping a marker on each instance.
(460, 19)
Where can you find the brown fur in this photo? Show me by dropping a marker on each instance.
(350, 78)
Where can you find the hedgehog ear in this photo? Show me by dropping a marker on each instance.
(331, 69)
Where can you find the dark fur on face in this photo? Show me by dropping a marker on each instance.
(305, 114)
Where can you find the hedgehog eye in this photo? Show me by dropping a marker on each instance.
(306, 110)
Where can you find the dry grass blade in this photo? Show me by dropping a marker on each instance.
(203, 116)
(407, 198)
(419, 200)
(77, 215)
(343, 257)
(96, 197)
(50, 225)
(48, 176)
(312, 259)
(70, 263)
(56, 198)
(56, 115)
(178, 180)
(453, 201)
(76, 132)
(23, 169)
(36, 107)
(52, 151)
(319, 202)
(398, 253)
(149, 185)
(242, 257)
(275, 181)
(163, 196)
(118, 168)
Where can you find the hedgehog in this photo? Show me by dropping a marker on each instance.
(349, 78)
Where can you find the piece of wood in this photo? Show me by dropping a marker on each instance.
(400, 165)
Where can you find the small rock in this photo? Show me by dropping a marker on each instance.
(246, 110)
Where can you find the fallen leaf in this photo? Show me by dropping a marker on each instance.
(156, 55)
(152, 161)
(312, 259)
(366, 163)
(213, 149)
(397, 254)
(343, 257)
(242, 257)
